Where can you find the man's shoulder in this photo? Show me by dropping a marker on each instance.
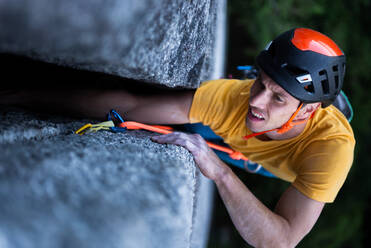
(218, 103)
(226, 87)
(327, 136)
(228, 81)
(329, 123)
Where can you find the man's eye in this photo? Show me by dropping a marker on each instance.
(278, 98)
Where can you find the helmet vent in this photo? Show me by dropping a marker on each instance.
(294, 71)
(309, 88)
(325, 87)
(336, 81)
(335, 68)
(324, 82)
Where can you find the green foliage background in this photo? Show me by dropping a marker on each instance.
(251, 25)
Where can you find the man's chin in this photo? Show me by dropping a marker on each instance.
(253, 128)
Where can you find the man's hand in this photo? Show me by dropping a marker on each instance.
(208, 162)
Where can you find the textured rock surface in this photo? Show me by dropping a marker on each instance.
(58, 189)
(167, 42)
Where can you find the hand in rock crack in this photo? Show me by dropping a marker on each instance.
(209, 163)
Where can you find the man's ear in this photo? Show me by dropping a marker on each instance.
(307, 111)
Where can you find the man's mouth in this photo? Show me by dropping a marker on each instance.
(255, 115)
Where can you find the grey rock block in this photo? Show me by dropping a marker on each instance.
(104, 189)
(169, 42)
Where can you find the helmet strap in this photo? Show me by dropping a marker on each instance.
(285, 127)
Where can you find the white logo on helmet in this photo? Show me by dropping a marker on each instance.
(304, 78)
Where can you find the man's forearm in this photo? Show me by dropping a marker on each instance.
(293, 217)
(258, 225)
(82, 103)
(170, 107)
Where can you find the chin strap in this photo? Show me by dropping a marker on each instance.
(285, 127)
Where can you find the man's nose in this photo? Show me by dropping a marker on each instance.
(260, 99)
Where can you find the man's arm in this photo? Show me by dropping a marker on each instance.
(294, 215)
(169, 107)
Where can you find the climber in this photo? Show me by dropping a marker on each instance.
(283, 120)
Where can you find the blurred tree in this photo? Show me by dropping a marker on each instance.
(252, 24)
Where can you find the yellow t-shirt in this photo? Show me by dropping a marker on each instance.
(316, 162)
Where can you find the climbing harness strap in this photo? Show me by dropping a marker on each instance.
(122, 126)
(89, 128)
(166, 130)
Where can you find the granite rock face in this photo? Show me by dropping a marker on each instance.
(169, 42)
(59, 189)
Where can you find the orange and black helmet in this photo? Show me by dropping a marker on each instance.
(306, 63)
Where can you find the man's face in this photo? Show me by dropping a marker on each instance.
(270, 106)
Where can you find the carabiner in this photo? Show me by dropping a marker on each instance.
(116, 115)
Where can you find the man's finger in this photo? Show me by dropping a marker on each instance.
(177, 138)
(163, 138)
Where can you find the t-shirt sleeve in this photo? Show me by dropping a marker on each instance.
(324, 168)
(215, 101)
